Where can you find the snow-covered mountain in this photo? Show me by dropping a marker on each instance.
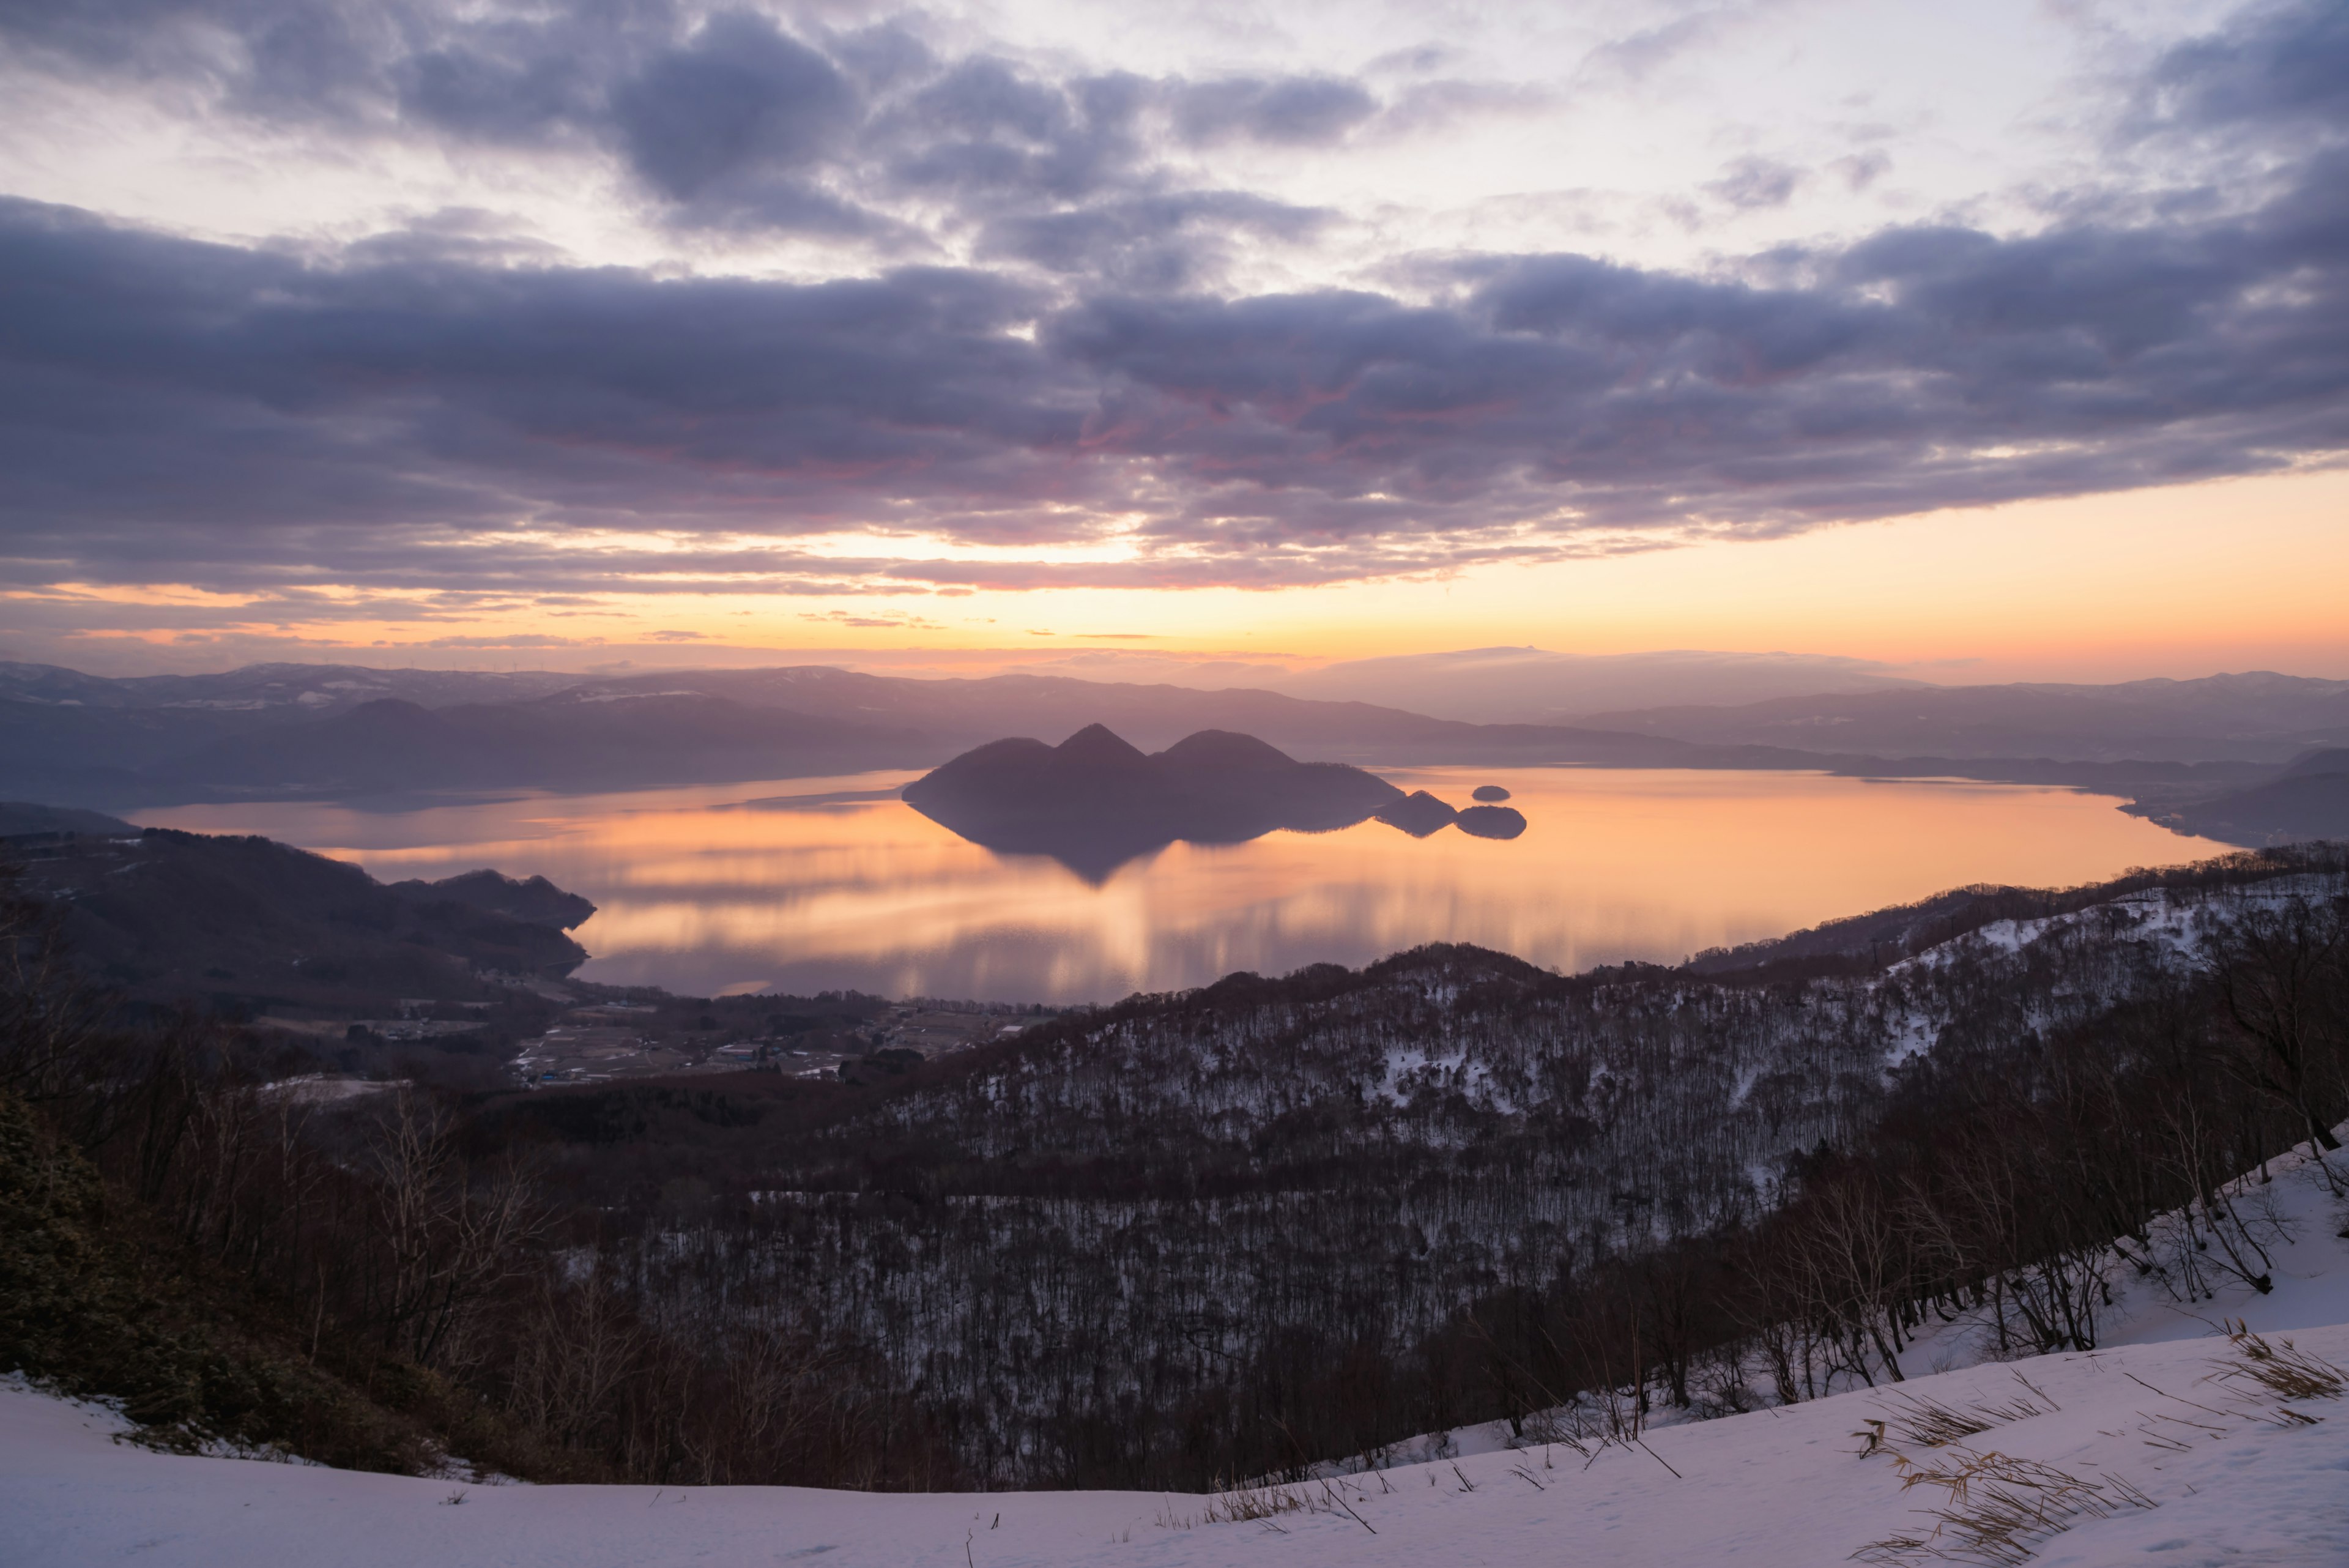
(2163, 1446)
(1187, 1224)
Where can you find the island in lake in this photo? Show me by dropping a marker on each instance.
(1095, 800)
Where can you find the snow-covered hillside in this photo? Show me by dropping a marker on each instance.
(1125, 1216)
(2157, 1449)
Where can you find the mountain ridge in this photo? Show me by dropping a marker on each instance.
(89, 741)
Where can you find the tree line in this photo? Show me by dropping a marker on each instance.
(1236, 1232)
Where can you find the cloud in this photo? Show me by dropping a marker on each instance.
(735, 126)
(1751, 182)
(1290, 112)
(990, 138)
(2273, 66)
(1861, 170)
(742, 93)
(446, 409)
(1157, 243)
(1639, 54)
(851, 618)
(513, 639)
(490, 95)
(220, 413)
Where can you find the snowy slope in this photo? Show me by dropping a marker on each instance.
(2232, 1478)
(1775, 1490)
(2233, 1481)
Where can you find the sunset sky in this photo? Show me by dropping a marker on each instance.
(1989, 342)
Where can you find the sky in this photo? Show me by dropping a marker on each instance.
(2003, 341)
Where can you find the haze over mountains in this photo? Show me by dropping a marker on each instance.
(2254, 717)
(2309, 800)
(325, 732)
(1534, 686)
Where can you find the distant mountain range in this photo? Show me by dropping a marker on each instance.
(571, 740)
(329, 732)
(339, 731)
(1534, 686)
(2309, 800)
(2257, 718)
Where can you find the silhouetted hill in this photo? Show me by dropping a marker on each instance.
(1490, 821)
(966, 710)
(66, 735)
(1418, 814)
(318, 690)
(328, 733)
(568, 741)
(1095, 801)
(171, 914)
(2310, 802)
(1534, 686)
(537, 902)
(2254, 717)
(21, 820)
(337, 732)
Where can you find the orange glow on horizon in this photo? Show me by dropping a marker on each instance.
(2179, 581)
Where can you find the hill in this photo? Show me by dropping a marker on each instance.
(1442, 1192)
(249, 923)
(21, 821)
(340, 732)
(2160, 1448)
(2258, 717)
(572, 740)
(2311, 801)
(88, 740)
(1471, 1174)
(1534, 686)
(1094, 802)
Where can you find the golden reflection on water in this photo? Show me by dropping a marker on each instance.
(700, 891)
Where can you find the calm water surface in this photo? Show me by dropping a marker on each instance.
(811, 884)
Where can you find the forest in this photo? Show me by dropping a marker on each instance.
(1236, 1232)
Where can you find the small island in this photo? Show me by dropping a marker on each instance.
(1422, 815)
(1491, 822)
(1419, 814)
(1095, 800)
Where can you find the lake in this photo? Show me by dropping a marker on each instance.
(807, 884)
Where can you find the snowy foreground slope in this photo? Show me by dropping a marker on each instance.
(2232, 1478)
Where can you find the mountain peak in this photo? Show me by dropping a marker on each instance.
(1223, 749)
(1099, 743)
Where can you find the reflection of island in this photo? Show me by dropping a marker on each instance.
(1094, 802)
(1420, 814)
